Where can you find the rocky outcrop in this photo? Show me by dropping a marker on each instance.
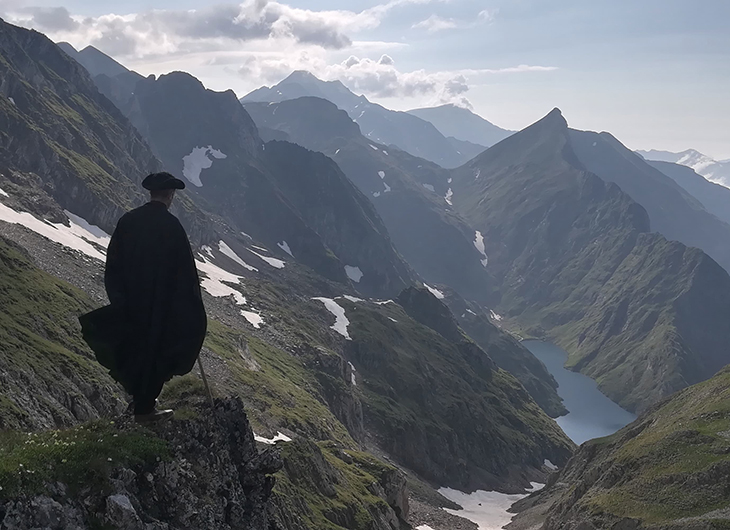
(209, 475)
(323, 485)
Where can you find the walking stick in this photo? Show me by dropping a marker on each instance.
(205, 382)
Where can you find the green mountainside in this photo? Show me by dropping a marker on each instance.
(41, 348)
(669, 470)
(577, 264)
(436, 400)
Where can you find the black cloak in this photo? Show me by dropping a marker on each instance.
(156, 323)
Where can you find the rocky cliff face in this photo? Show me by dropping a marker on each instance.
(55, 124)
(668, 470)
(577, 264)
(202, 473)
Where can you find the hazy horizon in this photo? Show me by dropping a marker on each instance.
(655, 75)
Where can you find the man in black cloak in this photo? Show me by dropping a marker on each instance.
(155, 325)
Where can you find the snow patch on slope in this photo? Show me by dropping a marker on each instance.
(271, 441)
(479, 244)
(255, 319)
(341, 322)
(216, 280)
(381, 174)
(430, 188)
(228, 251)
(488, 509)
(3, 193)
(78, 235)
(285, 247)
(354, 273)
(449, 195)
(197, 161)
(276, 263)
(438, 294)
(496, 317)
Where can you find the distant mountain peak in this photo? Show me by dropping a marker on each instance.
(554, 118)
(298, 75)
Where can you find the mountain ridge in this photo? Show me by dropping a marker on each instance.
(462, 124)
(578, 264)
(410, 133)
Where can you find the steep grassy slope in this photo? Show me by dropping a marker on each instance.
(669, 469)
(48, 376)
(508, 353)
(436, 401)
(577, 264)
(673, 212)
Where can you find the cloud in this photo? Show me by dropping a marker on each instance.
(169, 31)
(53, 18)
(377, 78)
(165, 31)
(435, 23)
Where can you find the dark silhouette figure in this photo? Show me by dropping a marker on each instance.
(155, 325)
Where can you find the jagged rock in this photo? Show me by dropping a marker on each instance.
(213, 478)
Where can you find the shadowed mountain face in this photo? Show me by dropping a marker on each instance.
(215, 145)
(55, 124)
(408, 192)
(462, 124)
(714, 197)
(673, 212)
(438, 244)
(576, 262)
(409, 133)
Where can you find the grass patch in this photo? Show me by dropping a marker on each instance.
(82, 457)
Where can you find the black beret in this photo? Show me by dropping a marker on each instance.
(162, 181)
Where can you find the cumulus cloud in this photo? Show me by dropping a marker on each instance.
(165, 31)
(53, 19)
(168, 31)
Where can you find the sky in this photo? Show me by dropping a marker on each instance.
(655, 73)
